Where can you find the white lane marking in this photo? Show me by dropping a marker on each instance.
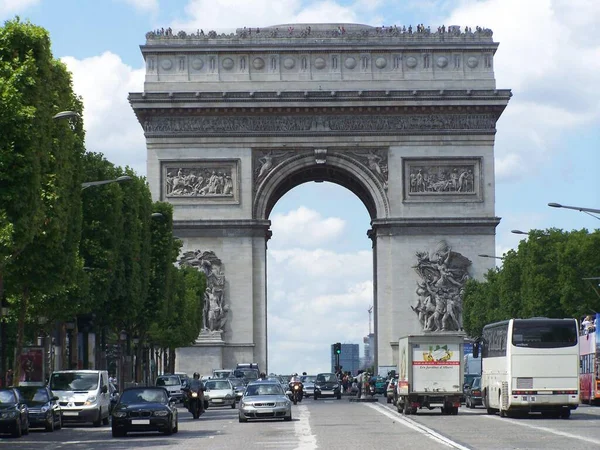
(306, 439)
(416, 427)
(549, 430)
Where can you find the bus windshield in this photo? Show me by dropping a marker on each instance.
(547, 333)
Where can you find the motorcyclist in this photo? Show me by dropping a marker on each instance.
(295, 379)
(262, 376)
(196, 385)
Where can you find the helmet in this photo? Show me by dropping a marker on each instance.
(295, 374)
(303, 373)
(196, 375)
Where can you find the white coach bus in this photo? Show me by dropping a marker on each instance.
(530, 365)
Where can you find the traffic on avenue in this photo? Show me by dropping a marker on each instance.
(332, 423)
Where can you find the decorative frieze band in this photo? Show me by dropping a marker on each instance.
(348, 124)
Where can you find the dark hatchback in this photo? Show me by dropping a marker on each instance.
(473, 394)
(44, 410)
(327, 385)
(144, 409)
(13, 412)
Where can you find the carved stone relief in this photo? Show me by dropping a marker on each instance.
(377, 162)
(265, 160)
(442, 178)
(201, 179)
(215, 309)
(443, 273)
(321, 123)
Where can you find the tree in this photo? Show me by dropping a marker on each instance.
(39, 172)
(545, 277)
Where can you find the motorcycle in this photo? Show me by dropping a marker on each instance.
(195, 401)
(297, 393)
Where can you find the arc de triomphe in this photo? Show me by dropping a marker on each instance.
(403, 118)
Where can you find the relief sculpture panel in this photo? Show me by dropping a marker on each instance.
(439, 180)
(443, 274)
(216, 180)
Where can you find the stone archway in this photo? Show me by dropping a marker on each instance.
(406, 121)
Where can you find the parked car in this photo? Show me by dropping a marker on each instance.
(83, 395)
(219, 393)
(265, 400)
(473, 394)
(13, 413)
(327, 385)
(467, 380)
(43, 408)
(172, 383)
(144, 409)
(390, 391)
(309, 384)
(239, 386)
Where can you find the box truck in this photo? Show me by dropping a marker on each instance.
(431, 372)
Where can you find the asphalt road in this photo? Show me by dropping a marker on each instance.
(338, 425)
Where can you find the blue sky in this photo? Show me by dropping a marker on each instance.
(547, 145)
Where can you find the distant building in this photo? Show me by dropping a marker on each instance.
(349, 358)
(369, 359)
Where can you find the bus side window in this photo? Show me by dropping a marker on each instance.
(476, 350)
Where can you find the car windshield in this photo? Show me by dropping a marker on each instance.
(326, 377)
(235, 382)
(222, 374)
(218, 384)
(263, 389)
(168, 381)
(35, 395)
(144, 396)
(74, 381)
(309, 378)
(476, 383)
(7, 397)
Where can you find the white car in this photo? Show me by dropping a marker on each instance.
(173, 385)
(219, 393)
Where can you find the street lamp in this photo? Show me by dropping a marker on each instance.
(98, 183)
(491, 256)
(3, 313)
(588, 211)
(519, 232)
(121, 376)
(66, 115)
(157, 215)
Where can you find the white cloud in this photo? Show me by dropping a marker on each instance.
(323, 263)
(12, 7)
(550, 62)
(231, 14)
(305, 227)
(144, 5)
(104, 82)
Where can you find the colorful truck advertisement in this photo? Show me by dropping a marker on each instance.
(436, 368)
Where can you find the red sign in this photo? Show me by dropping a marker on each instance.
(31, 361)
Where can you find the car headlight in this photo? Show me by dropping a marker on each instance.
(9, 415)
(90, 400)
(335, 386)
(161, 413)
(45, 408)
(243, 405)
(120, 414)
(281, 403)
(228, 396)
(194, 394)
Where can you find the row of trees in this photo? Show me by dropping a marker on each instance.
(549, 275)
(103, 252)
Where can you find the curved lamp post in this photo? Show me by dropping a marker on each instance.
(588, 211)
(66, 115)
(491, 256)
(98, 183)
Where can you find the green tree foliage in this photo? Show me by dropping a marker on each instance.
(545, 277)
(39, 169)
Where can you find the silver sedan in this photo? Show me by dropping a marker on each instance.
(265, 400)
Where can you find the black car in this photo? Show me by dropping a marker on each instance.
(327, 385)
(13, 412)
(144, 409)
(473, 394)
(44, 410)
